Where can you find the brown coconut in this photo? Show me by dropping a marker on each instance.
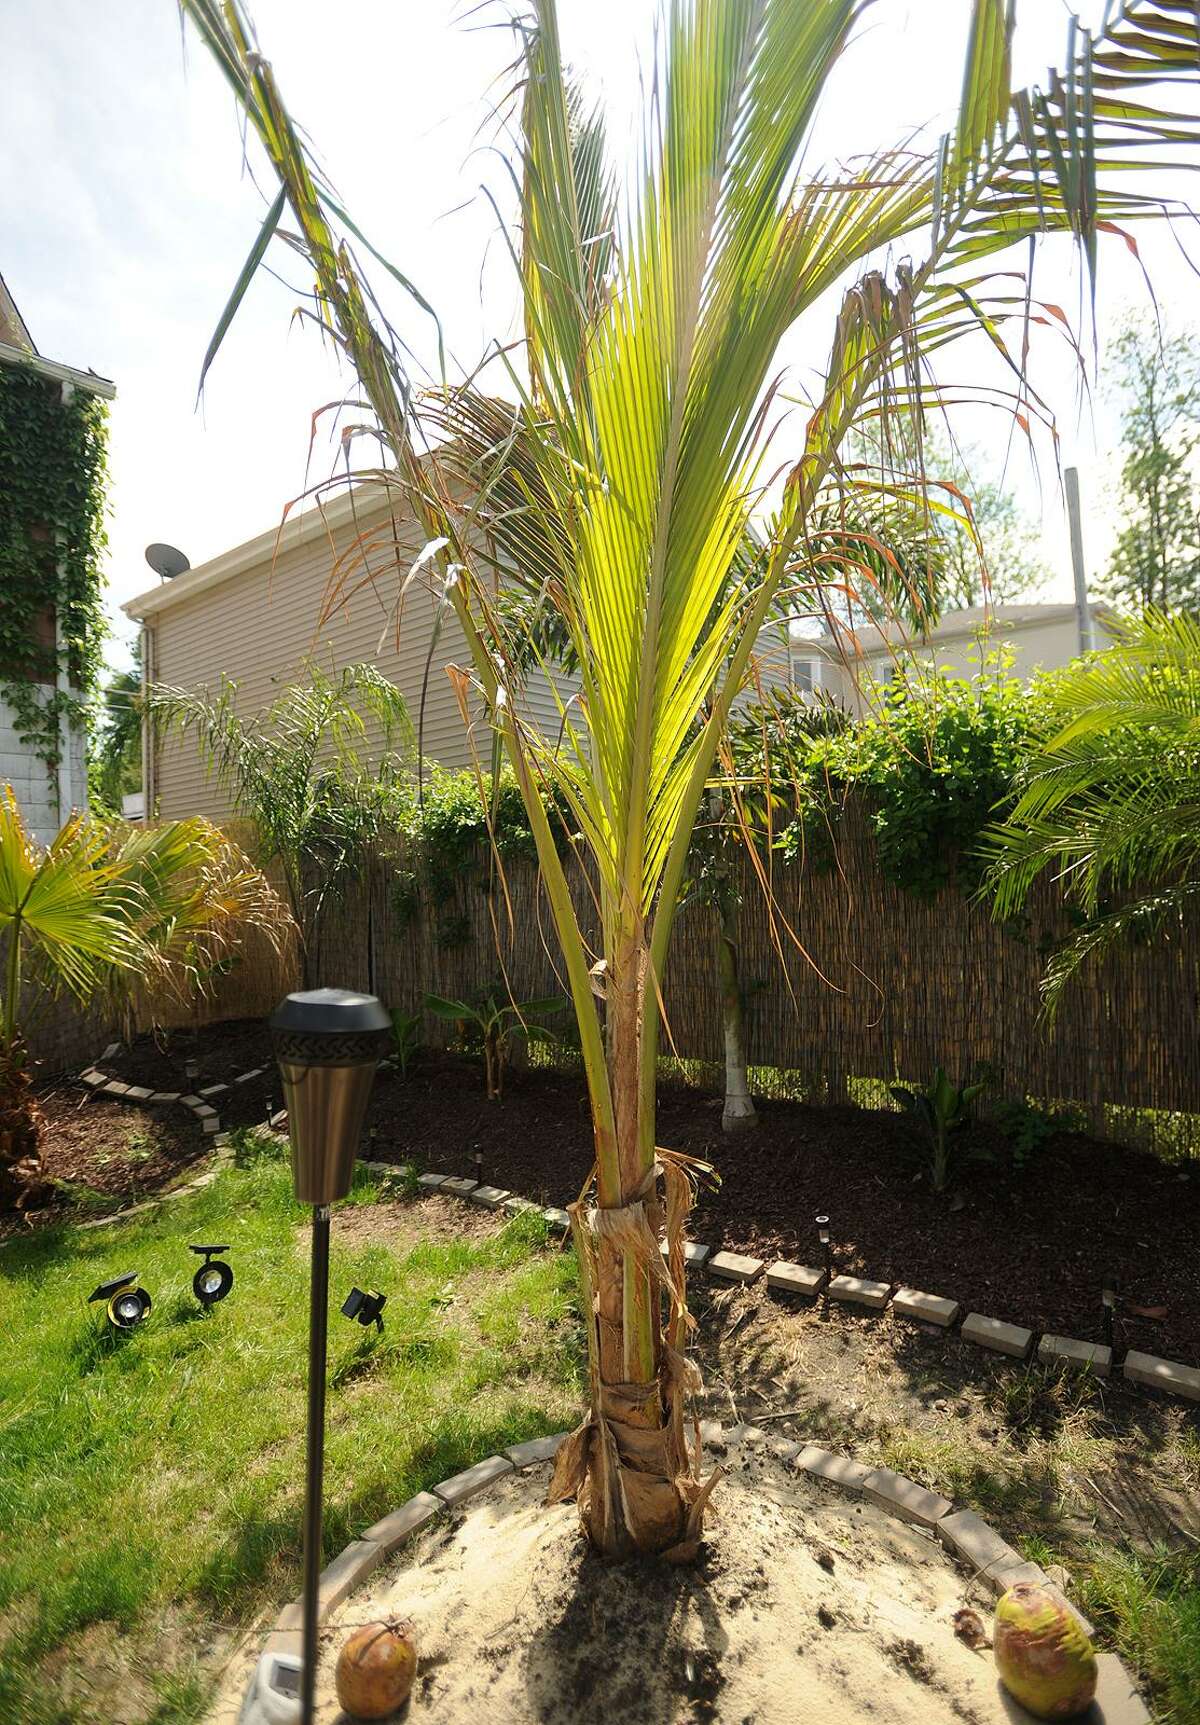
(375, 1670)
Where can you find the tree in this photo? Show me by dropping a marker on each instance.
(620, 473)
(115, 758)
(1156, 377)
(298, 771)
(102, 909)
(1111, 798)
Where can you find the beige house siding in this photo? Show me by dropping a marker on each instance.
(260, 624)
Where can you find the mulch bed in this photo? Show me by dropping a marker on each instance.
(1034, 1249)
(116, 1150)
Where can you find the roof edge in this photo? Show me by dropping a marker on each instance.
(286, 536)
(51, 368)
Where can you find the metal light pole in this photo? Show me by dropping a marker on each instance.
(328, 1043)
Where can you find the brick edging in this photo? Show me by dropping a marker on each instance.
(963, 1534)
(992, 1334)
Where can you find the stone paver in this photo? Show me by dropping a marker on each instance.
(517, 1206)
(1002, 1576)
(191, 1102)
(788, 1278)
(904, 1498)
(464, 1485)
(969, 1537)
(431, 1181)
(350, 1567)
(926, 1308)
(459, 1184)
(1083, 1356)
(394, 1529)
(92, 1078)
(537, 1449)
(833, 1469)
(1001, 1338)
(735, 1267)
(694, 1254)
(111, 1052)
(557, 1218)
(214, 1090)
(1117, 1701)
(165, 1096)
(213, 1125)
(204, 1111)
(139, 1093)
(491, 1197)
(857, 1291)
(114, 1087)
(1159, 1374)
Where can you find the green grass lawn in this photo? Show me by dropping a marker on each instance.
(151, 1482)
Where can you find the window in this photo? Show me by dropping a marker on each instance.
(806, 672)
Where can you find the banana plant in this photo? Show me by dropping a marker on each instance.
(628, 453)
(498, 1022)
(940, 1109)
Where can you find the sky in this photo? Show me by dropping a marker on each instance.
(126, 212)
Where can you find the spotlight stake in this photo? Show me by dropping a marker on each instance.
(328, 1043)
(824, 1237)
(365, 1308)
(1108, 1301)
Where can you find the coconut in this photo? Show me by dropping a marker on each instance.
(375, 1670)
(1045, 1660)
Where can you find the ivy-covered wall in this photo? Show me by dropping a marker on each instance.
(52, 495)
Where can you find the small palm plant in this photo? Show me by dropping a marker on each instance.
(300, 771)
(101, 911)
(629, 460)
(1111, 798)
(498, 1022)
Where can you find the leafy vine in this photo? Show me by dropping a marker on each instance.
(52, 495)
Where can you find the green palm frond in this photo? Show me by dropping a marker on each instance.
(1111, 802)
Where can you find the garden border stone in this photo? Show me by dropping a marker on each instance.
(858, 1291)
(1091, 1357)
(996, 1335)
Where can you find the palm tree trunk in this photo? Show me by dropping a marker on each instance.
(632, 1474)
(739, 1113)
(22, 1181)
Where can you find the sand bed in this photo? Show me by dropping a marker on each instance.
(804, 1604)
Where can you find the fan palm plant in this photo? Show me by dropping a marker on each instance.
(1111, 800)
(618, 471)
(98, 912)
(298, 770)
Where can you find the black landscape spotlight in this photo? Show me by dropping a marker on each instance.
(212, 1281)
(328, 1042)
(367, 1308)
(127, 1306)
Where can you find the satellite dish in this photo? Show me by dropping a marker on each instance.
(166, 561)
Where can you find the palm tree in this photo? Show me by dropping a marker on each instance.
(619, 475)
(98, 912)
(1111, 801)
(299, 771)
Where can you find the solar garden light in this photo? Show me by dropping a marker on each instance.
(212, 1281)
(127, 1306)
(1108, 1300)
(824, 1238)
(328, 1043)
(477, 1158)
(366, 1308)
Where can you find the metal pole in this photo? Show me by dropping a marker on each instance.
(1075, 516)
(318, 1323)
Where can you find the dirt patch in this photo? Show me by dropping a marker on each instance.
(403, 1226)
(803, 1604)
(187, 1061)
(1064, 1456)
